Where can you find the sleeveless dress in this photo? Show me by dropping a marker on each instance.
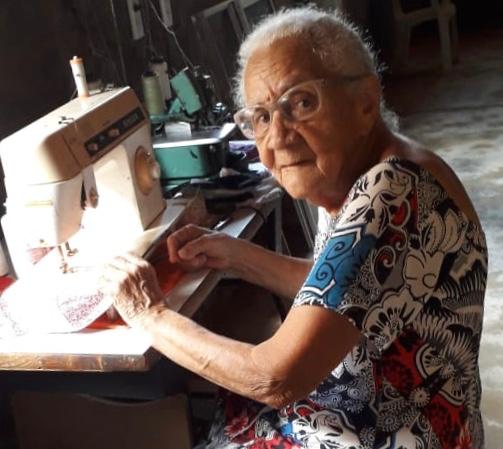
(409, 269)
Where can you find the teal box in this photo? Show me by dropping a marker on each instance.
(190, 161)
(200, 156)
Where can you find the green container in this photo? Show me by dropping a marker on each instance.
(190, 161)
(201, 156)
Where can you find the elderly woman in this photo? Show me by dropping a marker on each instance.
(380, 347)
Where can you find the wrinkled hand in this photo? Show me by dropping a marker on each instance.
(193, 247)
(132, 284)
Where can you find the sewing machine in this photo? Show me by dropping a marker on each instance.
(81, 178)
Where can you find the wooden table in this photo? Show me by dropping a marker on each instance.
(126, 349)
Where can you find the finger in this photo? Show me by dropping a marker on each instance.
(128, 264)
(194, 248)
(129, 268)
(195, 263)
(119, 263)
(114, 270)
(135, 261)
(180, 238)
(111, 281)
(174, 242)
(126, 261)
(131, 258)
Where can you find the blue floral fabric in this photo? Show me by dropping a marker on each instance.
(409, 269)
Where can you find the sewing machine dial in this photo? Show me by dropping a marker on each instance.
(147, 170)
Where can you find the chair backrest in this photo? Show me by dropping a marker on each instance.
(413, 6)
(256, 9)
(308, 219)
(220, 30)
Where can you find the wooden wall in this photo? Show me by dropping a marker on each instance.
(37, 39)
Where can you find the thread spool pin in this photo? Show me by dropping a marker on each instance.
(79, 76)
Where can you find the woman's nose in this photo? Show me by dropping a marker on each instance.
(279, 131)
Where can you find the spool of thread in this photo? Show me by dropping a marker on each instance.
(152, 94)
(160, 66)
(79, 75)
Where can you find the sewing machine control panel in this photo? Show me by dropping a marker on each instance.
(114, 132)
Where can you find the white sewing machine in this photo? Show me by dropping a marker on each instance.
(85, 169)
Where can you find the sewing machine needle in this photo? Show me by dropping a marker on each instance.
(64, 264)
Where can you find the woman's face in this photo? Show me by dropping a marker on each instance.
(317, 159)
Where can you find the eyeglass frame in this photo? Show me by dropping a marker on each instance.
(276, 105)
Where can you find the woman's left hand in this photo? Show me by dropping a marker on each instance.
(132, 284)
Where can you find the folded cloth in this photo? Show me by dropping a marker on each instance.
(69, 303)
(66, 303)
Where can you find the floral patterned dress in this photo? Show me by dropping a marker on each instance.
(409, 269)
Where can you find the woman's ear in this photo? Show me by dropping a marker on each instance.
(369, 102)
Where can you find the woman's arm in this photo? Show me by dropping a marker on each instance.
(194, 247)
(308, 345)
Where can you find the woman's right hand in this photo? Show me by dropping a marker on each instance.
(194, 247)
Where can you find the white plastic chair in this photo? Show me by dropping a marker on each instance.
(441, 11)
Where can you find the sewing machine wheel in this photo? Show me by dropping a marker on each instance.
(147, 170)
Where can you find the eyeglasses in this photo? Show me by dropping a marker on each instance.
(297, 104)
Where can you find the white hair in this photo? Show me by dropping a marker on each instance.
(336, 41)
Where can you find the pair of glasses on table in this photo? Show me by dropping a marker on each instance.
(298, 104)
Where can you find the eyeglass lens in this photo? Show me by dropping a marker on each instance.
(296, 105)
